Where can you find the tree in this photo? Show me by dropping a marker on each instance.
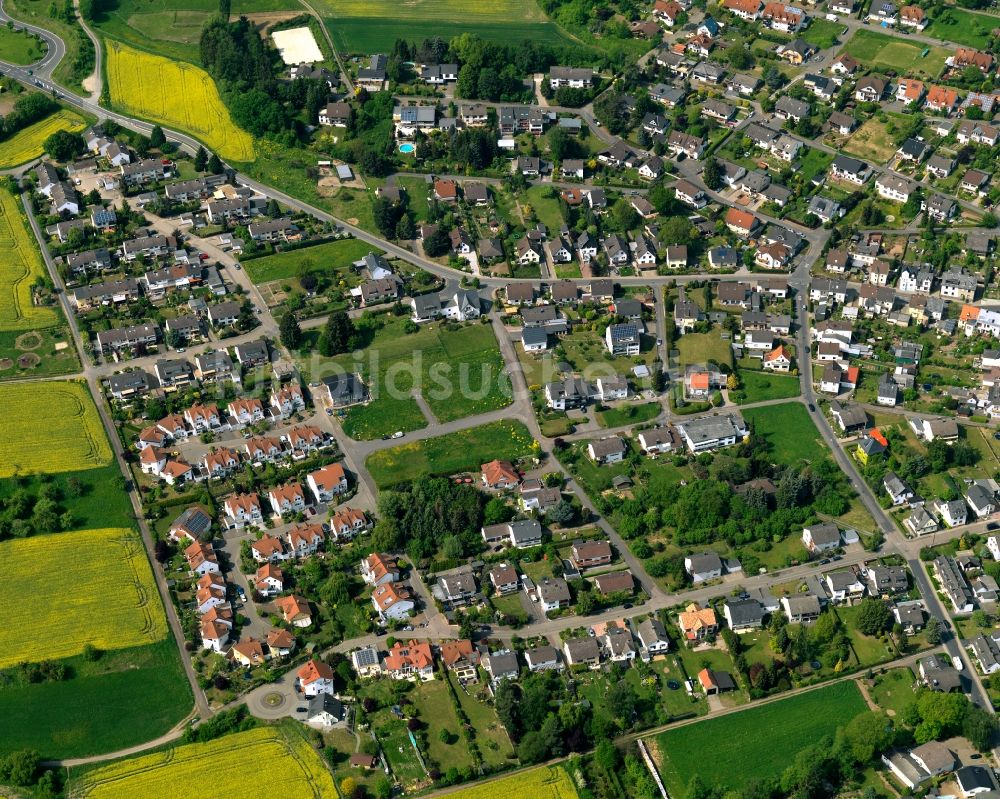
(712, 174)
(867, 735)
(63, 145)
(625, 215)
(200, 159)
(387, 215)
(874, 616)
(933, 631)
(562, 512)
(507, 703)
(215, 165)
(405, 228)
(225, 9)
(337, 335)
(979, 726)
(532, 748)
(335, 590)
(20, 767)
(156, 137)
(586, 603)
(437, 243)
(291, 333)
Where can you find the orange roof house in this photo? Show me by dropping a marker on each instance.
(969, 313)
(249, 652)
(777, 354)
(912, 90)
(968, 57)
(412, 659)
(697, 622)
(312, 671)
(941, 98)
(294, 610)
(500, 474)
(454, 651)
(700, 381)
(747, 9)
(446, 190)
(877, 435)
(742, 222)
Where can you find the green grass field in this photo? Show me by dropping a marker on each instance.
(757, 743)
(172, 27)
(368, 26)
(127, 697)
(20, 47)
(459, 372)
(962, 27)
(760, 386)
(52, 362)
(494, 744)
(822, 33)
(629, 414)
(463, 451)
(332, 256)
(789, 430)
(93, 497)
(699, 348)
(37, 12)
(879, 51)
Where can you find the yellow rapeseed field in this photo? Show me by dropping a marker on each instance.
(551, 782)
(26, 144)
(277, 760)
(65, 590)
(20, 264)
(175, 94)
(57, 429)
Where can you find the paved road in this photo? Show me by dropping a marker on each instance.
(56, 47)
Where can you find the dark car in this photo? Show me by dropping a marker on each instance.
(812, 407)
(301, 710)
(993, 526)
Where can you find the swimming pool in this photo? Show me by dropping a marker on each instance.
(407, 148)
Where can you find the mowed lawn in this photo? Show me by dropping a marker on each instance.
(58, 429)
(757, 743)
(961, 27)
(701, 348)
(878, 51)
(334, 255)
(367, 26)
(463, 451)
(93, 497)
(458, 371)
(172, 27)
(789, 430)
(127, 697)
(871, 142)
(761, 386)
(20, 47)
(98, 590)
